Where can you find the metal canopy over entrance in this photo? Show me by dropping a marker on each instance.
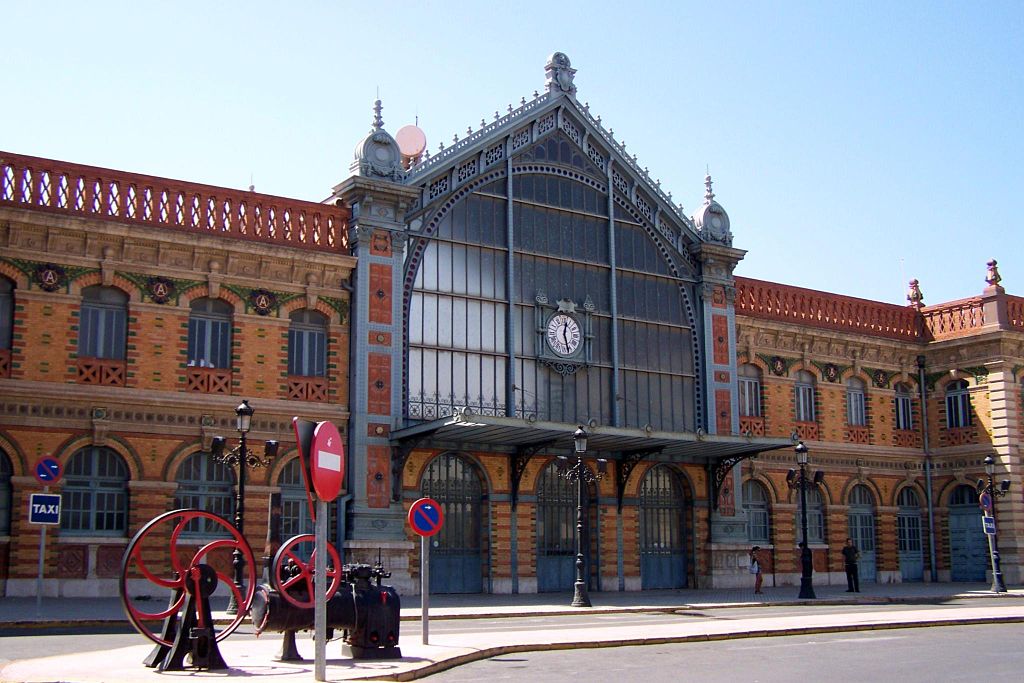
(466, 430)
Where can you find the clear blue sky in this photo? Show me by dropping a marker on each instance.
(854, 145)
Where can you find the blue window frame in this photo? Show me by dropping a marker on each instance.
(209, 334)
(208, 485)
(103, 323)
(307, 344)
(95, 493)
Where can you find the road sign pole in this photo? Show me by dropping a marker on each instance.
(320, 587)
(425, 586)
(39, 577)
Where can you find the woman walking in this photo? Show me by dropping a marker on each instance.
(755, 567)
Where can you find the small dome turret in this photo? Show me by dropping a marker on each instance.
(378, 155)
(711, 220)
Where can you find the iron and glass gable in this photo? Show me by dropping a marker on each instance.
(548, 278)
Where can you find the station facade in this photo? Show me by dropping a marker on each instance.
(460, 316)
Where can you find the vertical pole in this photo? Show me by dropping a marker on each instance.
(425, 587)
(934, 569)
(580, 598)
(237, 560)
(39, 576)
(993, 545)
(320, 582)
(806, 559)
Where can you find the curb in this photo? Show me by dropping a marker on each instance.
(498, 650)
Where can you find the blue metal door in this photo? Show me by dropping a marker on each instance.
(556, 532)
(908, 535)
(662, 547)
(968, 546)
(456, 561)
(862, 530)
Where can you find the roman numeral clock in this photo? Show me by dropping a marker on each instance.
(564, 334)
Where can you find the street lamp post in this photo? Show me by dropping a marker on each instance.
(806, 561)
(241, 458)
(583, 476)
(988, 488)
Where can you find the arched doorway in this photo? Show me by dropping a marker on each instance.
(662, 530)
(861, 520)
(908, 535)
(456, 556)
(556, 531)
(968, 548)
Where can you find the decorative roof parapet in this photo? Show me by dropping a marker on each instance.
(104, 194)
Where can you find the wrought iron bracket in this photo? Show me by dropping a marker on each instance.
(517, 464)
(720, 470)
(399, 455)
(624, 468)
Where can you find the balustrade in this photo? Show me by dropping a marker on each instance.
(208, 380)
(303, 388)
(856, 434)
(101, 371)
(100, 193)
(754, 426)
(806, 431)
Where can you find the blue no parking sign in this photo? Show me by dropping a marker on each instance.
(44, 508)
(426, 517)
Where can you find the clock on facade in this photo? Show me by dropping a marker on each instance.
(563, 334)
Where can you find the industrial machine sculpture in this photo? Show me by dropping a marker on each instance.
(167, 554)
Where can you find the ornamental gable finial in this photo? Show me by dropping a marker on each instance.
(709, 196)
(560, 74)
(378, 122)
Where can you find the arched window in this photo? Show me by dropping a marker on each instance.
(295, 517)
(755, 502)
(95, 493)
(804, 395)
(5, 494)
(209, 333)
(103, 323)
(904, 412)
(307, 344)
(749, 385)
(958, 405)
(208, 485)
(815, 516)
(856, 413)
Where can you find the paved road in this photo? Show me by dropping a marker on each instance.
(916, 655)
(25, 643)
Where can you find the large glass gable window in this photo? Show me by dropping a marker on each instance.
(307, 344)
(209, 334)
(103, 323)
(95, 493)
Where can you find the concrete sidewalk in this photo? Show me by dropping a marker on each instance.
(254, 658)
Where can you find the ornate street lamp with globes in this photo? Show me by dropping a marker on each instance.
(242, 459)
(799, 480)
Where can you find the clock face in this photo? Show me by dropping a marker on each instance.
(563, 334)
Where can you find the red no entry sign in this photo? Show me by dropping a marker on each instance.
(426, 517)
(327, 461)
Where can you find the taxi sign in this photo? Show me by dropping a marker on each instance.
(327, 461)
(426, 517)
(989, 523)
(47, 470)
(44, 508)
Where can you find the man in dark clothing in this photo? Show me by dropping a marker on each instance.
(850, 557)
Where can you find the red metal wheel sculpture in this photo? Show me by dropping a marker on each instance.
(163, 554)
(293, 577)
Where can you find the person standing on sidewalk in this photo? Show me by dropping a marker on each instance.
(850, 557)
(755, 567)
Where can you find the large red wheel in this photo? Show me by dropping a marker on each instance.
(293, 576)
(163, 554)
